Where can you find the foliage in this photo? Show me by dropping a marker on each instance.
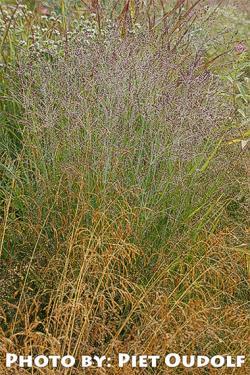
(123, 197)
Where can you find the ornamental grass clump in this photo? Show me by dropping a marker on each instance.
(116, 199)
(115, 91)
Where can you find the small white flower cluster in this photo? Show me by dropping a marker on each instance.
(41, 34)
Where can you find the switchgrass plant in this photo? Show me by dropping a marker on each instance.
(124, 209)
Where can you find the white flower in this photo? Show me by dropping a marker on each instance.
(22, 43)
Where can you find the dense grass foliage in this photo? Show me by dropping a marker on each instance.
(124, 181)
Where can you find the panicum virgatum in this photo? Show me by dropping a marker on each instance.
(127, 104)
(116, 203)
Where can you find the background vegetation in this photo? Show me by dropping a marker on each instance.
(124, 194)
